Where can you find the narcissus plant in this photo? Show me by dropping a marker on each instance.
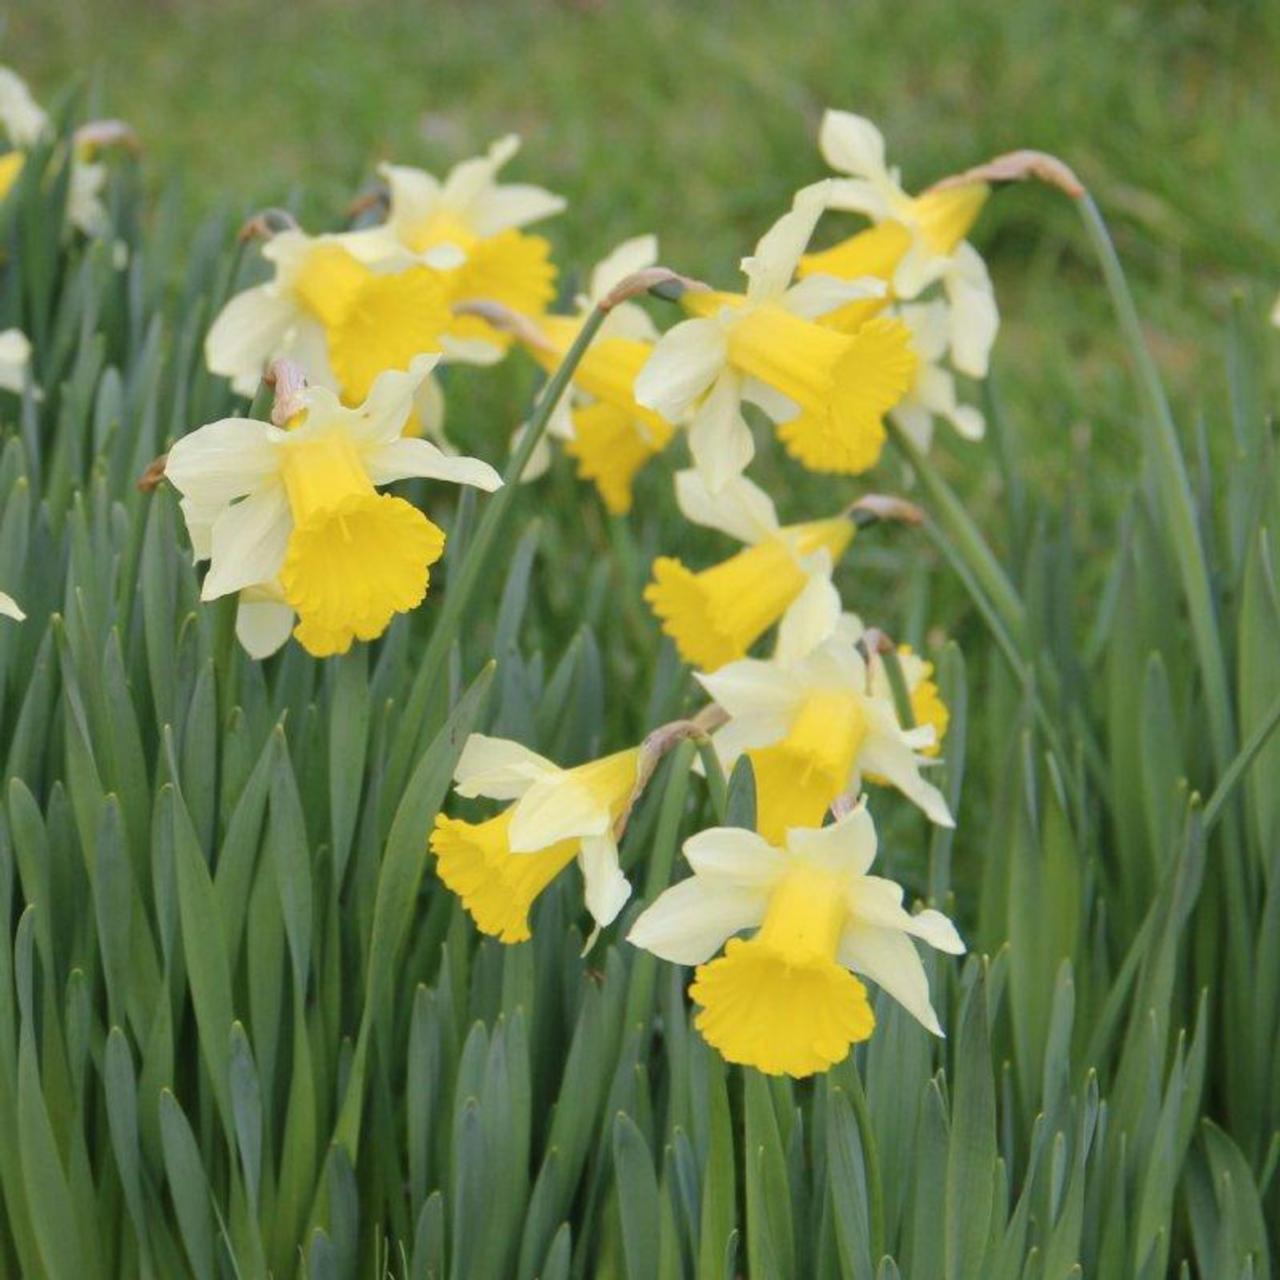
(813, 729)
(468, 225)
(914, 242)
(716, 615)
(499, 867)
(785, 999)
(299, 506)
(827, 392)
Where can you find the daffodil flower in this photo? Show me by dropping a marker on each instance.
(341, 306)
(301, 506)
(716, 615)
(599, 422)
(816, 618)
(785, 999)
(468, 227)
(9, 608)
(826, 391)
(917, 240)
(15, 360)
(814, 728)
(499, 867)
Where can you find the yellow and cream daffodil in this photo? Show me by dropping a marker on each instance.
(301, 506)
(785, 1000)
(816, 618)
(716, 615)
(342, 306)
(916, 240)
(15, 360)
(9, 608)
(468, 227)
(500, 866)
(602, 427)
(813, 729)
(933, 393)
(827, 391)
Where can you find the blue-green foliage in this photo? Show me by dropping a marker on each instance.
(243, 1031)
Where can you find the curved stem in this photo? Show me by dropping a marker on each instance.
(1161, 438)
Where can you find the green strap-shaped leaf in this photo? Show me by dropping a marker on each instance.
(637, 1198)
(188, 1185)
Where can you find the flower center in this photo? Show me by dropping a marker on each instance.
(791, 354)
(320, 472)
(715, 616)
(806, 914)
(827, 734)
(388, 320)
(441, 227)
(799, 777)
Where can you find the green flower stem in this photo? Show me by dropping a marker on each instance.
(465, 578)
(1161, 439)
(717, 786)
(898, 685)
(948, 511)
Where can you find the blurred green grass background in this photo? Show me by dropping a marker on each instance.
(698, 120)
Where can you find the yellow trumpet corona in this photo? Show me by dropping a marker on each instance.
(716, 615)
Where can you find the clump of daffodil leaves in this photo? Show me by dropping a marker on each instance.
(358, 928)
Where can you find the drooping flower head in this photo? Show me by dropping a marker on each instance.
(785, 999)
(716, 615)
(300, 507)
(467, 225)
(500, 866)
(826, 391)
(813, 729)
(602, 426)
(914, 242)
